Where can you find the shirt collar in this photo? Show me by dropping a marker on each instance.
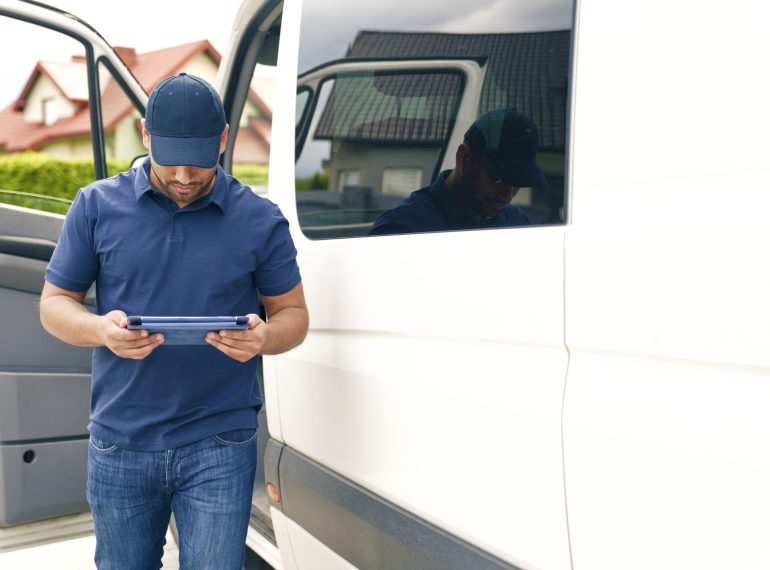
(446, 202)
(456, 214)
(217, 196)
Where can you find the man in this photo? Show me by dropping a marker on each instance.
(495, 160)
(173, 428)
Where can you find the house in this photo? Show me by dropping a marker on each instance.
(386, 131)
(51, 114)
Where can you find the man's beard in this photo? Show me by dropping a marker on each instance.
(200, 188)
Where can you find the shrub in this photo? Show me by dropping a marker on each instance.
(251, 174)
(40, 174)
(319, 181)
(60, 178)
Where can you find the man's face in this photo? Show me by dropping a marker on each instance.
(485, 193)
(182, 184)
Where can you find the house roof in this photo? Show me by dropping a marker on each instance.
(148, 68)
(528, 71)
(416, 108)
(70, 78)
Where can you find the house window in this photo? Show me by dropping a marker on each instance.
(401, 181)
(50, 112)
(348, 178)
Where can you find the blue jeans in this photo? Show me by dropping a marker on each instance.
(207, 484)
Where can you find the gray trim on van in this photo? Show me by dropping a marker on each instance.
(366, 530)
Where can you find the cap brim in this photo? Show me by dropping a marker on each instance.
(522, 174)
(202, 152)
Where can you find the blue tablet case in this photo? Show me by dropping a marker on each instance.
(186, 330)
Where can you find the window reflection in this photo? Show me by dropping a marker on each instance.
(372, 139)
(495, 160)
(365, 129)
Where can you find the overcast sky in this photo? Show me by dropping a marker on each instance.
(154, 24)
(143, 24)
(325, 37)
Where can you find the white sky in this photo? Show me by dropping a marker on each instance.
(142, 24)
(154, 24)
(330, 41)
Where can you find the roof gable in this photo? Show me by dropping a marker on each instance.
(70, 79)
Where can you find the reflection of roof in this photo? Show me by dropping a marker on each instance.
(414, 108)
(527, 71)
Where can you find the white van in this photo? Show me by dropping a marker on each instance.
(589, 392)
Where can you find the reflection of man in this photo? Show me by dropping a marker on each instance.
(173, 428)
(496, 158)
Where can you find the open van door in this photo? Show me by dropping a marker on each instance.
(434, 361)
(44, 383)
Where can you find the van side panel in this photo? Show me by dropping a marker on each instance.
(666, 429)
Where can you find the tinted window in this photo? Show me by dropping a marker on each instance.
(376, 132)
(363, 126)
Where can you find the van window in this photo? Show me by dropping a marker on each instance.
(386, 120)
(46, 152)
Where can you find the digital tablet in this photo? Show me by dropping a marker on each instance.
(186, 330)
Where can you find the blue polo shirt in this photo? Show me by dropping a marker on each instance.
(434, 209)
(150, 257)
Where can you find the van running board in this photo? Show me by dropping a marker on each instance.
(43, 532)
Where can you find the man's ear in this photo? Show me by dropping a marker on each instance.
(462, 156)
(145, 137)
(223, 139)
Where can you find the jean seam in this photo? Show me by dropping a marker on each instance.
(109, 449)
(235, 443)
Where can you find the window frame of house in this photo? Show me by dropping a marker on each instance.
(49, 114)
(396, 171)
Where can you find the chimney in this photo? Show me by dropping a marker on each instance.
(127, 54)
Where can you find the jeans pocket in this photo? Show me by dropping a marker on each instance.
(100, 445)
(236, 437)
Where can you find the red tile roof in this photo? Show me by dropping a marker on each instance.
(148, 68)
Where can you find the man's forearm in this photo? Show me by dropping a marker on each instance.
(70, 321)
(287, 329)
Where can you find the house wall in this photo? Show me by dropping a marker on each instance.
(43, 89)
(75, 147)
(373, 160)
(202, 66)
(251, 110)
(127, 142)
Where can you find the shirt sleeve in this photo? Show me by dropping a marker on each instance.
(278, 272)
(390, 223)
(74, 264)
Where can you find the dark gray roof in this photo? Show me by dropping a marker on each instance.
(528, 71)
(374, 109)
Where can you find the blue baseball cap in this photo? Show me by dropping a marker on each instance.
(185, 118)
(511, 140)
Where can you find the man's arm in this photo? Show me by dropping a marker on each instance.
(285, 328)
(63, 314)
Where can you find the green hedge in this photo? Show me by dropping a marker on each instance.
(36, 173)
(57, 177)
(251, 174)
(319, 181)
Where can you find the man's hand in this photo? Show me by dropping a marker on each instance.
(241, 345)
(135, 344)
